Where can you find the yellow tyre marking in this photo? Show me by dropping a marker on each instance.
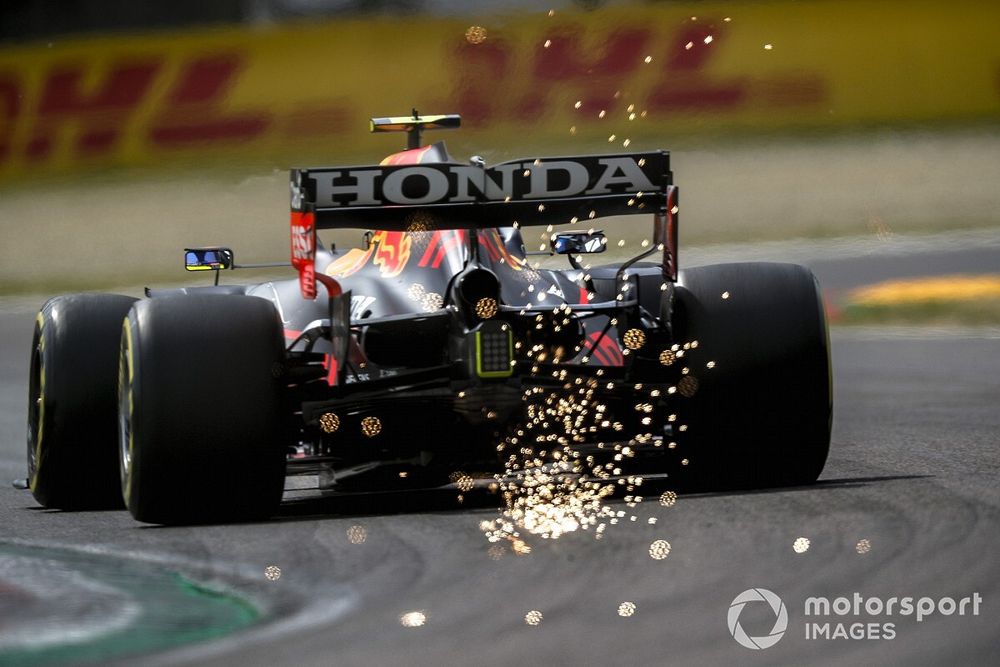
(126, 360)
(33, 482)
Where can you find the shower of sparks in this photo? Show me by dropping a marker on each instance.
(634, 339)
(549, 488)
(329, 422)
(626, 609)
(357, 534)
(418, 223)
(463, 481)
(801, 545)
(486, 308)
(431, 301)
(272, 572)
(533, 617)
(863, 546)
(416, 291)
(659, 549)
(668, 498)
(371, 426)
(413, 619)
(476, 34)
(687, 386)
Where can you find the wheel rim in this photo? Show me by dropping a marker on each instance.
(36, 406)
(125, 404)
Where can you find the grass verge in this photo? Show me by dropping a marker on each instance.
(940, 300)
(936, 313)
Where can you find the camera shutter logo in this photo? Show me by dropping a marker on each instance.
(780, 618)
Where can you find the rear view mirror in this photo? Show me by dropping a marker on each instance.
(579, 243)
(208, 259)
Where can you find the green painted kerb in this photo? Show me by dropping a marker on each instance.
(175, 611)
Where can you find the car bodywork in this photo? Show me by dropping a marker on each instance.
(419, 349)
(441, 352)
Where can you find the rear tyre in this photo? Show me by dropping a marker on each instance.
(199, 434)
(761, 416)
(72, 425)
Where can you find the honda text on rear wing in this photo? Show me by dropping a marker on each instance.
(527, 192)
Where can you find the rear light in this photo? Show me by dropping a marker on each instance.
(494, 350)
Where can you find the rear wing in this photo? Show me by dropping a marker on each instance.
(543, 191)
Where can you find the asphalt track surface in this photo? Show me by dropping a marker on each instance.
(914, 472)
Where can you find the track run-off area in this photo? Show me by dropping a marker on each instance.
(908, 506)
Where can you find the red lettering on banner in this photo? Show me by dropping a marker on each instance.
(10, 109)
(566, 59)
(102, 112)
(484, 67)
(195, 117)
(685, 85)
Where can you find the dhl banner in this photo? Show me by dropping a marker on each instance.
(634, 75)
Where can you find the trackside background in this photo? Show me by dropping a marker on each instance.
(274, 95)
(784, 118)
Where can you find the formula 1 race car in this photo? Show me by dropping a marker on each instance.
(435, 348)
